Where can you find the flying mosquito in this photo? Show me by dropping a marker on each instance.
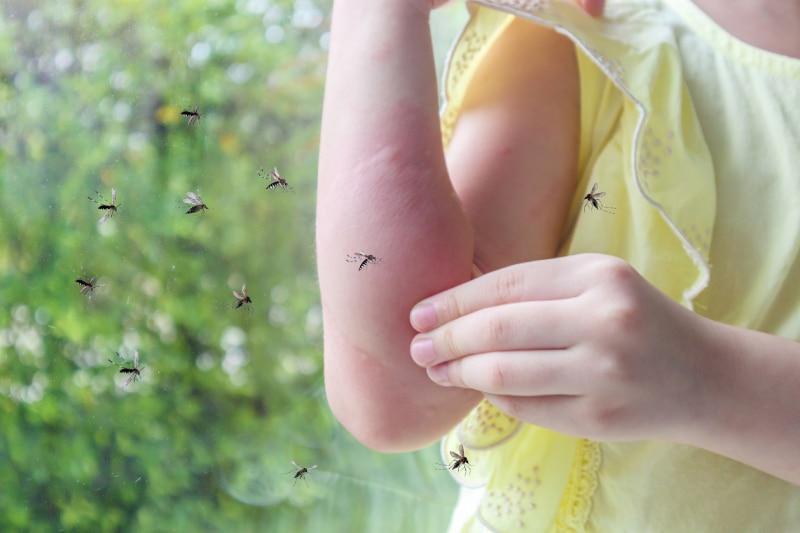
(459, 461)
(300, 472)
(241, 298)
(196, 203)
(135, 372)
(593, 200)
(194, 116)
(276, 180)
(110, 208)
(87, 286)
(363, 259)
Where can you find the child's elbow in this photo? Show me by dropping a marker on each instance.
(382, 433)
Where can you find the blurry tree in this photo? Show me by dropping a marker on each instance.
(91, 95)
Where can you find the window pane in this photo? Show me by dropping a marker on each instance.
(160, 370)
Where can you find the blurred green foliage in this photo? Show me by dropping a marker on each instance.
(90, 99)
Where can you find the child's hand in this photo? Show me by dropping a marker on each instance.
(581, 344)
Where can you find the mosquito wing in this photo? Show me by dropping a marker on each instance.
(594, 189)
(136, 359)
(128, 381)
(105, 216)
(193, 198)
(113, 196)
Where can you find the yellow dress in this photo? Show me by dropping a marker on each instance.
(694, 137)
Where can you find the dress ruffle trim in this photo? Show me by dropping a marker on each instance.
(577, 503)
(544, 487)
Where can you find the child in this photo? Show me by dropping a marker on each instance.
(649, 323)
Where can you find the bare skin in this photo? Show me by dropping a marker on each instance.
(661, 371)
(767, 24)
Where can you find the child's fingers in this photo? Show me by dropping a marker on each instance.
(514, 373)
(550, 279)
(507, 327)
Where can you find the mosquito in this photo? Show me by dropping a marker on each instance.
(196, 203)
(194, 116)
(87, 286)
(135, 372)
(363, 259)
(300, 472)
(277, 180)
(110, 208)
(241, 298)
(593, 200)
(459, 461)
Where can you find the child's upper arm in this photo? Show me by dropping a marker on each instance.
(514, 151)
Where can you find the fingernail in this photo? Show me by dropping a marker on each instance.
(438, 374)
(423, 317)
(422, 351)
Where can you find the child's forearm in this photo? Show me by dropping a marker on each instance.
(384, 190)
(748, 408)
(383, 185)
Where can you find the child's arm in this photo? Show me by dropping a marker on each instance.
(384, 188)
